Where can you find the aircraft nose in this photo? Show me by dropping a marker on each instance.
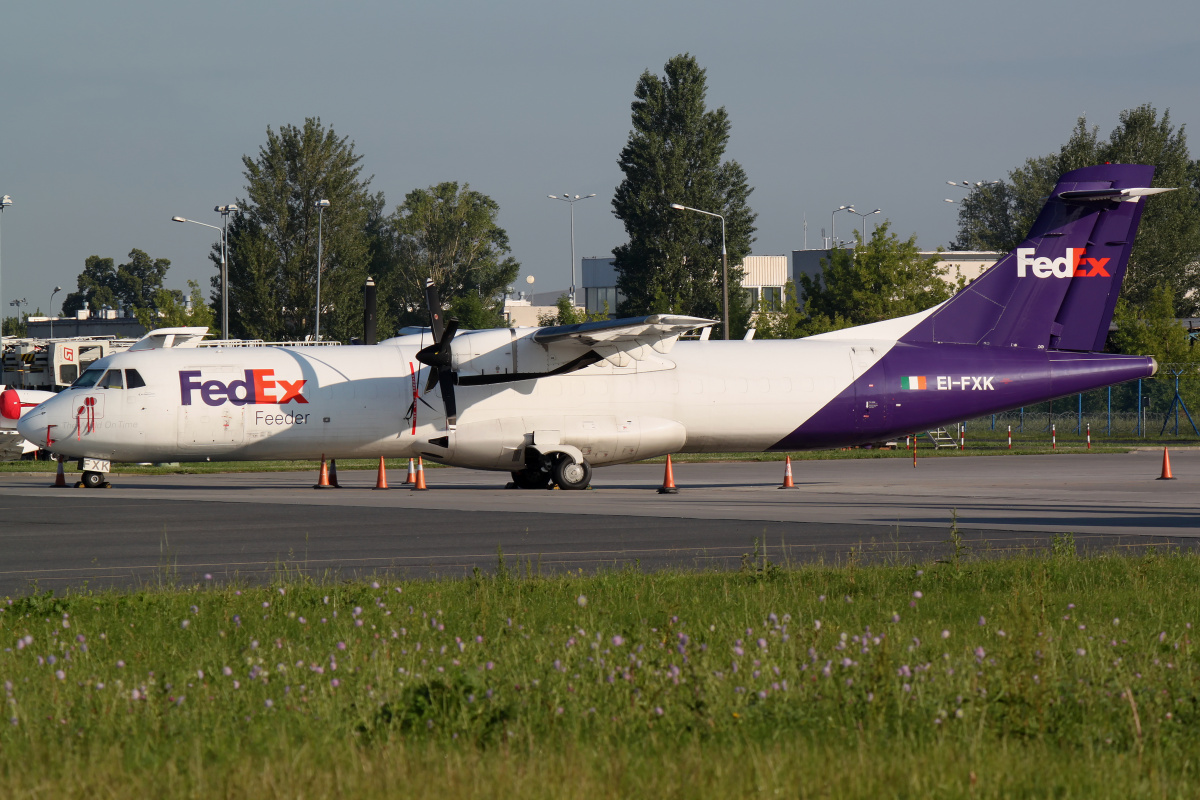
(27, 427)
(32, 426)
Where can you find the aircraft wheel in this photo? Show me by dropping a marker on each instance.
(531, 478)
(569, 474)
(93, 480)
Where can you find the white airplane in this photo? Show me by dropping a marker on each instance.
(549, 404)
(14, 403)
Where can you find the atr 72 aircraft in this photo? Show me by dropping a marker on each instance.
(549, 404)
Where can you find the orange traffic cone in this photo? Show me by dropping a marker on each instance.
(1166, 470)
(333, 474)
(787, 475)
(668, 486)
(60, 480)
(381, 478)
(411, 477)
(419, 483)
(323, 481)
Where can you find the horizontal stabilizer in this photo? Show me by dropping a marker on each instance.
(1100, 195)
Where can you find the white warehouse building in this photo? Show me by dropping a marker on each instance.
(765, 277)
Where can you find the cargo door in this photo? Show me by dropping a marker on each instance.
(203, 426)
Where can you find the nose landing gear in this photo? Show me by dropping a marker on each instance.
(93, 480)
(95, 473)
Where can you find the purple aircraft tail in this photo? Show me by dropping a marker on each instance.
(1057, 290)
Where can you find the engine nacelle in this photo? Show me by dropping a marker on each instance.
(508, 351)
(602, 440)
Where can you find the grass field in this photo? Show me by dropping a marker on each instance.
(1045, 675)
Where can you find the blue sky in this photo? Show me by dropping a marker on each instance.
(114, 117)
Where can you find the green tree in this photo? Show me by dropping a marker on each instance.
(170, 310)
(130, 286)
(448, 233)
(273, 242)
(786, 323)
(672, 261)
(567, 314)
(139, 281)
(1167, 249)
(1152, 329)
(15, 326)
(97, 287)
(881, 279)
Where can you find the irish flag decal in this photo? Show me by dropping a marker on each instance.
(912, 382)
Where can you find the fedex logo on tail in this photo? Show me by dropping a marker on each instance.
(1073, 264)
(259, 387)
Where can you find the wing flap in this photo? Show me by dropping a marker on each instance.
(656, 329)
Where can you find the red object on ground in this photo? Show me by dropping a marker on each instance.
(323, 480)
(381, 478)
(60, 480)
(787, 475)
(419, 484)
(668, 486)
(1166, 470)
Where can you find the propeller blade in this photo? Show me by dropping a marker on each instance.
(446, 379)
(451, 329)
(439, 357)
(434, 303)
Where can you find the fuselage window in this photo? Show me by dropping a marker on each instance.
(111, 380)
(88, 379)
(133, 380)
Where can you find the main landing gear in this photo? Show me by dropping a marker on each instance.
(557, 468)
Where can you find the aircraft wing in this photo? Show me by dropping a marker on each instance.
(620, 340)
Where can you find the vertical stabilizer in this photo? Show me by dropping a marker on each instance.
(1058, 288)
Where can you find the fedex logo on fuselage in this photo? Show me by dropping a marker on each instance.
(259, 387)
(1064, 267)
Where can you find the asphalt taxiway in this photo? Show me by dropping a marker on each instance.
(251, 526)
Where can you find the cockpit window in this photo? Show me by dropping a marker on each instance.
(133, 380)
(87, 379)
(111, 380)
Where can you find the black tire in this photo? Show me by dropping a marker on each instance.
(93, 480)
(571, 475)
(531, 478)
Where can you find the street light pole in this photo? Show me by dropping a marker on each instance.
(224, 271)
(321, 206)
(572, 200)
(50, 313)
(724, 263)
(5, 202)
(864, 220)
(18, 304)
(833, 239)
(225, 211)
(970, 187)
